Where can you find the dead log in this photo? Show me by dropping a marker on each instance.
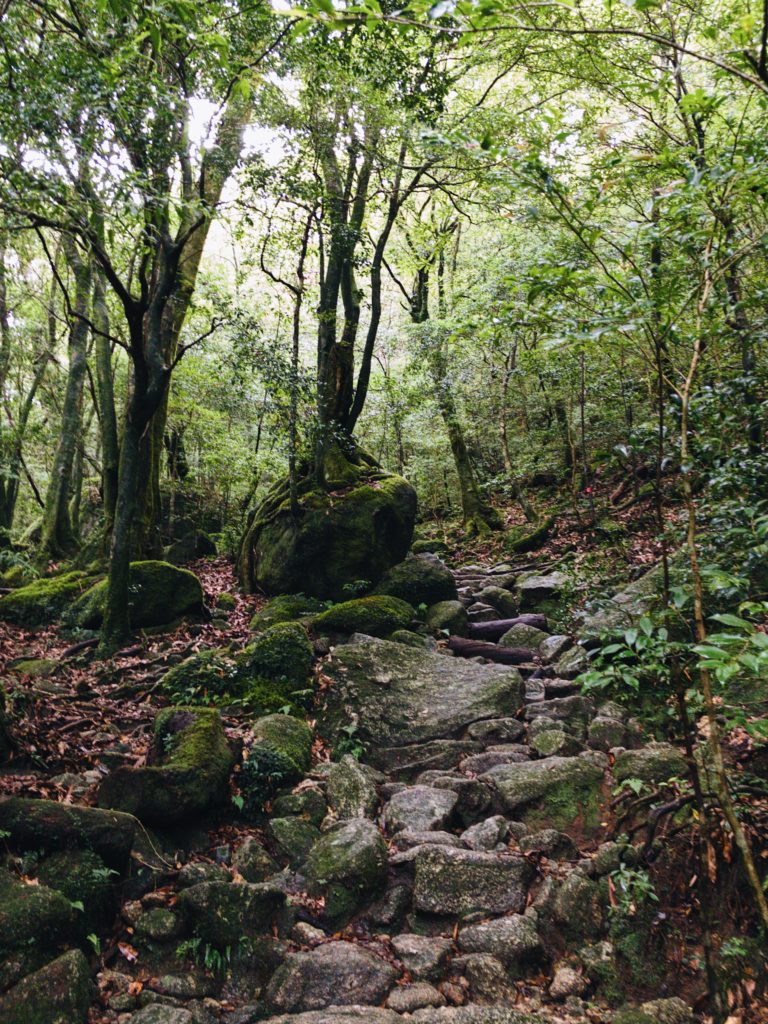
(502, 655)
(496, 628)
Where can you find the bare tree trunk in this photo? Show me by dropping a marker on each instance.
(58, 536)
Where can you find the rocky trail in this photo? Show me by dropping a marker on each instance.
(472, 855)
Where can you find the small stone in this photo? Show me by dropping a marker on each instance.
(335, 974)
(668, 1011)
(157, 1013)
(408, 998)
(391, 908)
(655, 762)
(253, 862)
(486, 835)
(306, 934)
(351, 794)
(550, 843)
(572, 663)
(419, 809)
(478, 764)
(556, 743)
(514, 940)
(423, 956)
(553, 647)
(407, 840)
(488, 978)
(566, 982)
(295, 837)
(201, 871)
(606, 733)
(450, 881)
(496, 730)
(158, 924)
(521, 635)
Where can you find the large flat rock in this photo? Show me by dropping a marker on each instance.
(396, 695)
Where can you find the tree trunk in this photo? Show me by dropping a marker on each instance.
(58, 536)
(105, 396)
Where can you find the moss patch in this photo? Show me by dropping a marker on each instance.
(337, 539)
(420, 579)
(159, 593)
(43, 601)
(285, 608)
(282, 653)
(281, 753)
(191, 765)
(377, 616)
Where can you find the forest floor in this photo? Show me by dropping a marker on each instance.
(82, 716)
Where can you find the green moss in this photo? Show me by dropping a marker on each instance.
(17, 576)
(37, 668)
(286, 735)
(203, 678)
(34, 920)
(84, 879)
(336, 539)
(159, 594)
(59, 993)
(565, 805)
(429, 547)
(419, 580)
(282, 653)
(376, 616)
(410, 639)
(285, 608)
(191, 762)
(281, 753)
(227, 602)
(42, 602)
(521, 539)
(633, 1016)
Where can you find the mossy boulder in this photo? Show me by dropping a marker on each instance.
(44, 601)
(420, 579)
(305, 803)
(159, 593)
(653, 763)
(294, 838)
(555, 792)
(353, 531)
(48, 826)
(285, 608)
(224, 913)
(282, 653)
(347, 866)
(34, 922)
(448, 616)
(83, 878)
(190, 762)
(374, 616)
(398, 696)
(279, 756)
(59, 993)
(204, 677)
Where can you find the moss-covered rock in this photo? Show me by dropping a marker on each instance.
(375, 616)
(34, 922)
(282, 653)
(420, 579)
(190, 765)
(285, 608)
(279, 756)
(424, 546)
(286, 735)
(336, 539)
(85, 880)
(448, 616)
(43, 601)
(17, 576)
(35, 668)
(294, 837)
(253, 862)
(59, 993)
(204, 677)
(556, 792)
(347, 866)
(46, 826)
(224, 913)
(653, 763)
(305, 803)
(159, 594)
(411, 639)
